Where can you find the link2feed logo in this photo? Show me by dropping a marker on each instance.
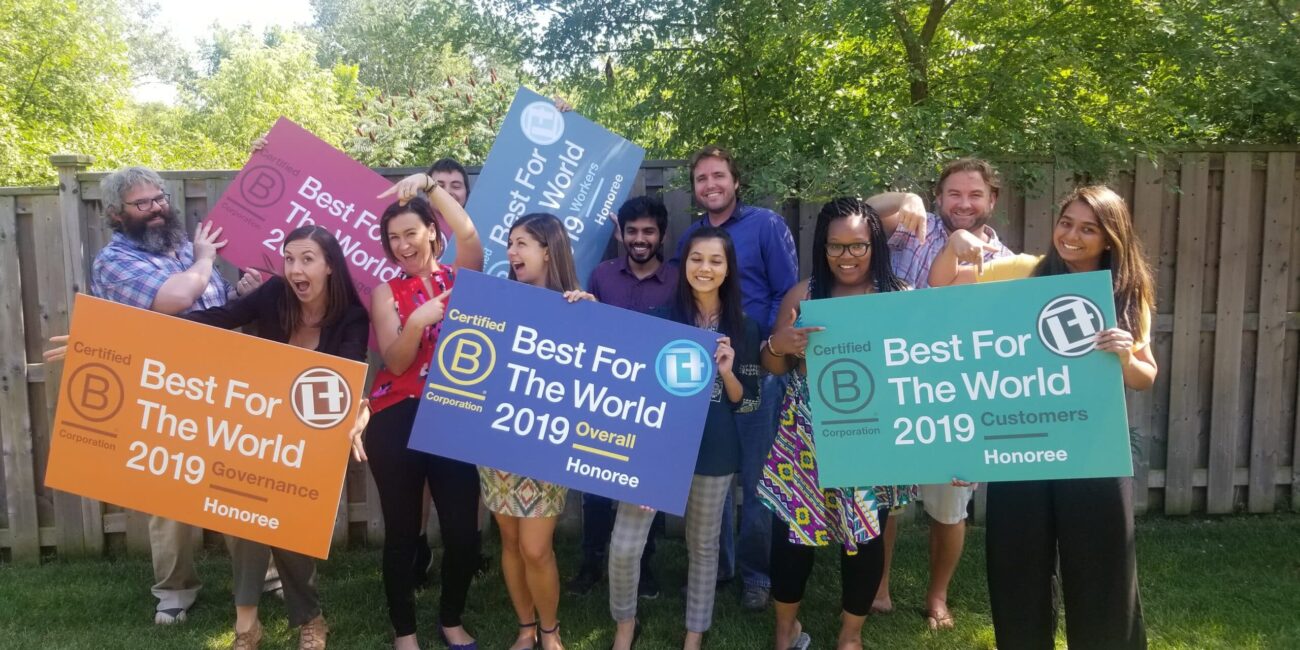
(321, 398)
(1068, 325)
(542, 123)
(684, 368)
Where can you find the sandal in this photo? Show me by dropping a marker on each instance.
(311, 636)
(249, 640)
(442, 633)
(938, 621)
(533, 641)
(554, 630)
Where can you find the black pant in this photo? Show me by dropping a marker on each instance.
(860, 573)
(597, 525)
(400, 475)
(1089, 522)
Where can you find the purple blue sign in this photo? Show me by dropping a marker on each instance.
(547, 161)
(590, 396)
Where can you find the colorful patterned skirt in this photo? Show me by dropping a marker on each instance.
(519, 496)
(817, 517)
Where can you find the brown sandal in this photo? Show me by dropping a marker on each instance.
(249, 640)
(311, 636)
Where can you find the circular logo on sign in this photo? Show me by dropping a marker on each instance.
(466, 357)
(542, 123)
(684, 368)
(96, 392)
(262, 186)
(500, 269)
(1068, 325)
(846, 386)
(321, 398)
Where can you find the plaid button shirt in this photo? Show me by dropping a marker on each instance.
(123, 272)
(911, 257)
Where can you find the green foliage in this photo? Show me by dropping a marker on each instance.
(254, 81)
(458, 117)
(828, 96)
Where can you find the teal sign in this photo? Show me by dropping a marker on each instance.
(987, 382)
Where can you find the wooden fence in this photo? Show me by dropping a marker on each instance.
(1218, 432)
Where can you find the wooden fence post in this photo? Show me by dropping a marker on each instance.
(79, 521)
(15, 421)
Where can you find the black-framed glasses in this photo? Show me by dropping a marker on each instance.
(856, 250)
(145, 204)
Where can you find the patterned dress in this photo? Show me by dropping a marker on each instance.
(519, 496)
(788, 487)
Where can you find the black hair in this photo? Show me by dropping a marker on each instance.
(880, 269)
(731, 320)
(640, 207)
(450, 165)
(420, 207)
(340, 294)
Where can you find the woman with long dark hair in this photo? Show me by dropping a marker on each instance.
(407, 312)
(850, 258)
(526, 509)
(1085, 524)
(708, 296)
(313, 306)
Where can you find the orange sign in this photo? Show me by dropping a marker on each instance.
(213, 428)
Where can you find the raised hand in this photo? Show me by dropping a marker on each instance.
(207, 241)
(724, 356)
(791, 340)
(409, 188)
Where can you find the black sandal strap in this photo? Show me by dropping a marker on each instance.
(550, 631)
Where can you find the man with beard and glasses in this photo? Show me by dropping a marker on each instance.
(964, 200)
(639, 281)
(151, 264)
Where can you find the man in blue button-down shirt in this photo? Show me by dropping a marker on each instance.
(766, 254)
(151, 264)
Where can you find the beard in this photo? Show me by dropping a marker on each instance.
(979, 222)
(642, 258)
(162, 239)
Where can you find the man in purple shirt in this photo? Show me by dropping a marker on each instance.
(964, 200)
(639, 281)
(765, 252)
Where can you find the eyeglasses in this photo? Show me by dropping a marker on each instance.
(856, 250)
(145, 204)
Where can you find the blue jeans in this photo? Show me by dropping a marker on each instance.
(757, 433)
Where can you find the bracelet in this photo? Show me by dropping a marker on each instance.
(428, 187)
(771, 350)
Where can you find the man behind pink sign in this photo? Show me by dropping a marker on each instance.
(297, 179)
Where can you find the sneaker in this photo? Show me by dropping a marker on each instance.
(648, 587)
(754, 599)
(169, 616)
(588, 576)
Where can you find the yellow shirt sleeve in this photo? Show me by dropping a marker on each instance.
(1015, 267)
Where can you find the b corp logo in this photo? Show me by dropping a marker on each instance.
(542, 123)
(466, 357)
(684, 368)
(846, 386)
(1068, 325)
(321, 398)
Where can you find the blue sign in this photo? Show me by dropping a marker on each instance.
(547, 161)
(597, 398)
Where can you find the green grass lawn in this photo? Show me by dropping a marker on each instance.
(1222, 583)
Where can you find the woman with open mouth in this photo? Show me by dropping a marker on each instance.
(315, 307)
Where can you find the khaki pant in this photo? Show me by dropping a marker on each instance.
(172, 545)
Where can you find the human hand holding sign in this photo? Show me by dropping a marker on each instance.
(59, 352)
(791, 340)
(578, 294)
(207, 242)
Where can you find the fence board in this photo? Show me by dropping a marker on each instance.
(1148, 197)
(53, 286)
(1184, 398)
(15, 423)
(1230, 309)
(1266, 432)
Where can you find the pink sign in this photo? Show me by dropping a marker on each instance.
(296, 180)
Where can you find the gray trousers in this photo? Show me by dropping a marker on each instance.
(703, 527)
(248, 563)
(172, 545)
